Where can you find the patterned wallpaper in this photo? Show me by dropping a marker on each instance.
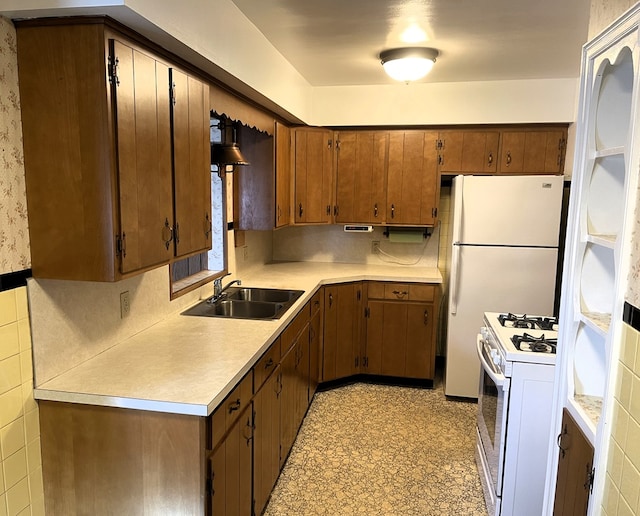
(14, 232)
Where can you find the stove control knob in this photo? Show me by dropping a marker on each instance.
(495, 356)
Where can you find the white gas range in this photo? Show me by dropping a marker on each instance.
(517, 356)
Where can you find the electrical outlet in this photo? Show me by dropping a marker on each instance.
(125, 304)
(375, 246)
(245, 253)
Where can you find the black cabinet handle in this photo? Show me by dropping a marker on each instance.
(330, 299)
(393, 211)
(300, 211)
(508, 158)
(235, 405)
(167, 233)
(375, 210)
(490, 159)
(269, 363)
(559, 441)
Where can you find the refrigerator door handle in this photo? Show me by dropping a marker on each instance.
(453, 282)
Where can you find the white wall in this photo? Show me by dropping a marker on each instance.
(488, 102)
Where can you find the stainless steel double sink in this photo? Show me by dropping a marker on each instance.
(247, 303)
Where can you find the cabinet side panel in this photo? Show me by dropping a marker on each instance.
(99, 460)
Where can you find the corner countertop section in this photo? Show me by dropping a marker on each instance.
(188, 365)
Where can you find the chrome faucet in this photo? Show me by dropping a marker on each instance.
(219, 290)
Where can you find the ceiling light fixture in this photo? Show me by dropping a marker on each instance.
(408, 64)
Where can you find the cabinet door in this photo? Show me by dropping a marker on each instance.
(302, 377)
(283, 175)
(532, 152)
(144, 158)
(313, 172)
(413, 181)
(361, 176)
(288, 401)
(191, 162)
(231, 465)
(342, 319)
(400, 339)
(315, 350)
(266, 440)
(575, 466)
(421, 348)
(468, 151)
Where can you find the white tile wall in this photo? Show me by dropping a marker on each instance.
(21, 488)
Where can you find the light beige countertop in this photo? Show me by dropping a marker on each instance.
(188, 365)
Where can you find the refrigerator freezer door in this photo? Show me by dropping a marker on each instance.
(508, 210)
(492, 279)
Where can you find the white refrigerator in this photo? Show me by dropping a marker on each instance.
(504, 255)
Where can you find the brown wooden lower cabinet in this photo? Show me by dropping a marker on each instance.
(227, 464)
(343, 314)
(399, 339)
(575, 470)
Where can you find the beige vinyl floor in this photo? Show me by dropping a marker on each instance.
(382, 450)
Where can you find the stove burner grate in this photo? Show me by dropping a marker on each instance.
(524, 321)
(526, 342)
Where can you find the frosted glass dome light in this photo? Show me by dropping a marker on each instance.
(408, 64)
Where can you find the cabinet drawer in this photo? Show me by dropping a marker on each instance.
(421, 292)
(292, 331)
(401, 291)
(316, 301)
(266, 365)
(232, 406)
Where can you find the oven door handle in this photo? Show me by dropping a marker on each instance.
(498, 378)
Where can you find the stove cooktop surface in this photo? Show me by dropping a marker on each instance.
(525, 338)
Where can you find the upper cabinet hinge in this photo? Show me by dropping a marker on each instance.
(172, 93)
(113, 70)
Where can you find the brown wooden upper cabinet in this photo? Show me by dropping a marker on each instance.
(533, 152)
(361, 176)
(98, 130)
(283, 175)
(412, 180)
(468, 151)
(313, 175)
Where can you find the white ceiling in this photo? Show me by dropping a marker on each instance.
(337, 42)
